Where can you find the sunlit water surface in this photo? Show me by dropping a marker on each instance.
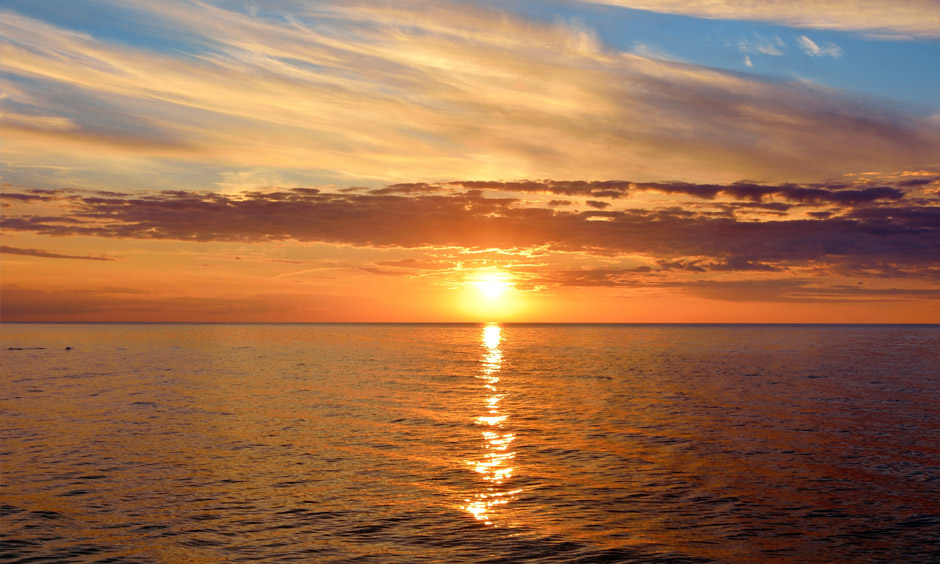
(469, 443)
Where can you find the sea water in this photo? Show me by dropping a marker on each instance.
(177, 443)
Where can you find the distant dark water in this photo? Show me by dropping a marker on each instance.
(465, 443)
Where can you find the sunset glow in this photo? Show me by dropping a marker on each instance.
(472, 281)
(612, 161)
(492, 285)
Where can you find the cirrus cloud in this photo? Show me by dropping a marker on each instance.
(415, 91)
(913, 18)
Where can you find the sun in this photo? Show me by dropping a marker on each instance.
(490, 294)
(492, 285)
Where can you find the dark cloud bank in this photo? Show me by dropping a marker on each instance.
(863, 230)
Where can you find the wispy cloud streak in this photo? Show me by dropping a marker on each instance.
(7, 250)
(812, 49)
(912, 18)
(423, 92)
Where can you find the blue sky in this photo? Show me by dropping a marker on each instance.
(903, 69)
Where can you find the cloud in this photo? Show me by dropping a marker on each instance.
(874, 226)
(415, 264)
(131, 304)
(819, 193)
(786, 290)
(409, 188)
(36, 122)
(761, 45)
(813, 50)
(801, 291)
(4, 249)
(912, 18)
(474, 92)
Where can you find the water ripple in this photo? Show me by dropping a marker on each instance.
(371, 443)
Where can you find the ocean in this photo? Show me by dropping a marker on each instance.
(202, 443)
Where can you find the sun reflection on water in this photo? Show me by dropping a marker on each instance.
(495, 464)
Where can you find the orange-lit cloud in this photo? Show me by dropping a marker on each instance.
(421, 92)
(913, 18)
(836, 229)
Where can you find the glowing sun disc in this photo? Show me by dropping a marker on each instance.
(492, 285)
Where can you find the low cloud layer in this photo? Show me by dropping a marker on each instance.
(826, 193)
(847, 228)
(788, 290)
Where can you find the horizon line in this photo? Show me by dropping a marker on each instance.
(470, 323)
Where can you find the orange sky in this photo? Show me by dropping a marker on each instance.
(360, 162)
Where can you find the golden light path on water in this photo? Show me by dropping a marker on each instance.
(496, 461)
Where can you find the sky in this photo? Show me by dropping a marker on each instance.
(702, 161)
